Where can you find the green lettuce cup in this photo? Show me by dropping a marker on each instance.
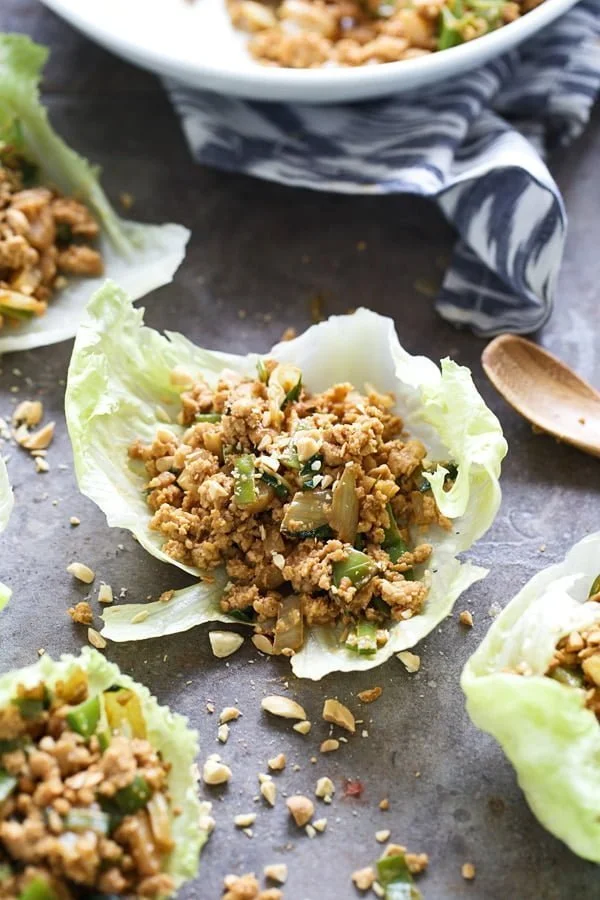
(127, 782)
(531, 685)
(120, 389)
(140, 257)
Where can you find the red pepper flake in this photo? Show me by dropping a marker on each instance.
(353, 788)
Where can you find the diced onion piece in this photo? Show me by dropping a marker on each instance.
(160, 821)
(307, 514)
(289, 630)
(124, 713)
(343, 517)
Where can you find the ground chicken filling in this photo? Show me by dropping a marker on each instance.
(84, 803)
(308, 500)
(304, 34)
(576, 661)
(44, 237)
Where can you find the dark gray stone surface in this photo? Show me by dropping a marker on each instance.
(266, 250)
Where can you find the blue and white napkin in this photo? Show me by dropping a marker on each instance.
(476, 145)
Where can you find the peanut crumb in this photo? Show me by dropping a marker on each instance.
(363, 878)
(302, 727)
(338, 714)
(277, 763)
(466, 618)
(96, 639)
(276, 872)
(74, 521)
(82, 613)
(370, 695)
(382, 836)
(244, 820)
(81, 572)
(410, 661)
(301, 809)
(229, 714)
(468, 871)
(329, 745)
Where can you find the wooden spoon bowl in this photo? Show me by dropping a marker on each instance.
(544, 390)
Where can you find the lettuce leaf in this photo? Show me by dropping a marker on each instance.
(549, 736)
(168, 732)
(119, 389)
(139, 257)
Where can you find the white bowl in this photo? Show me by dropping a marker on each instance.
(194, 42)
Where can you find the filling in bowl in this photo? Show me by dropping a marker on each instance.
(84, 803)
(314, 503)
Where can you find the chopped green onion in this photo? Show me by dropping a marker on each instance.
(134, 797)
(294, 393)
(393, 544)
(289, 629)
(279, 484)
(263, 374)
(308, 515)
(310, 477)
(30, 707)
(567, 677)
(84, 718)
(38, 889)
(394, 876)
(9, 746)
(344, 508)
(364, 640)
(242, 615)
(7, 785)
(87, 820)
(245, 487)
(209, 417)
(595, 588)
(357, 566)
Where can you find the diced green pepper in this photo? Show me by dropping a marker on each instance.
(9, 746)
(595, 588)
(311, 470)
(209, 417)
(364, 640)
(134, 797)
(357, 566)
(289, 459)
(38, 889)
(244, 485)
(84, 718)
(87, 820)
(393, 544)
(7, 785)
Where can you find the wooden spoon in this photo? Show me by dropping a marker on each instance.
(544, 390)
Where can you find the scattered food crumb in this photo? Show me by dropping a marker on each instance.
(244, 820)
(229, 714)
(277, 763)
(384, 804)
(289, 334)
(223, 733)
(268, 790)
(353, 788)
(329, 745)
(225, 643)
(82, 613)
(283, 706)
(105, 594)
(81, 572)
(262, 644)
(302, 727)
(325, 789)
(41, 465)
(126, 199)
(96, 639)
(410, 661)
(338, 714)
(466, 618)
(320, 825)
(215, 771)
(276, 872)
(301, 809)
(364, 878)
(74, 521)
(468, 871)
(370, 695)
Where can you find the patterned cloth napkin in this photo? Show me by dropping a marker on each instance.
(475, 145)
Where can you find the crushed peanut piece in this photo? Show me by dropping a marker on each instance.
(268, 790)
(244, 820)
(384, 804)
(223, 733)
(410, 661)
(276, 872)
(215, 771)
(28, 412)
(105, 594)
(39, 440)
(468, 871)
(338, 714)
(229, 714)
(74, 521)
(363, 878)
(262, 644)
(282, 706)
(466, 618)
(301, 809)
(329, 745)
(382, 836)
(302, 727)
(325, 789)
(81, 572)
(41, 465)
(320, 825)
(225, 643)
(310, 831)
(277, 763)
(96, 639)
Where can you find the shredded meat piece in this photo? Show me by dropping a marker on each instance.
(306, 448)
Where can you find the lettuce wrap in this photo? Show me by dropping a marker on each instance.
(119, 389)
(167, 732)
(140, 257)
(542, 724)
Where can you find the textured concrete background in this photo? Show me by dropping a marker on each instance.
(266, 250)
